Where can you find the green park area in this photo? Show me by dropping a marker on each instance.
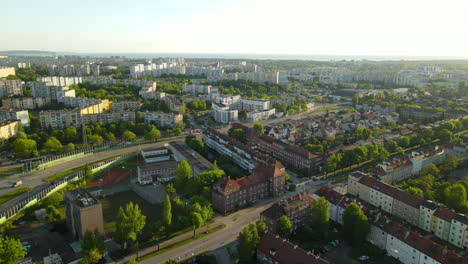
(111, 205)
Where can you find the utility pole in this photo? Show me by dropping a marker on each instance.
(83, 131)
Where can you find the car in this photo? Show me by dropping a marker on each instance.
(363, 258)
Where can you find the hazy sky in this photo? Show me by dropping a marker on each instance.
(328, 27)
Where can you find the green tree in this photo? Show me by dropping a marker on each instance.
(197, 145)
(133, 261)
(25, 148)
(71, 134)
(11, 250)
(214, 166)
(88, 172)
(355, 225)
(321, 214)
(446, 136)
(404, 142)
(158, 231)
(247, 243)
(129, 135)
(356, 99)
(258, 128)
(197, 221)
(314, 148)
(455, 197)
(285, 226)
(238, 134)
(95, 140)
(170, 261)
(392, 146)
(153, 134)
(170, 189)
(167, 212)
(416, 191)
(53, 145)
(450, 163)
(93, 246)
(430, 169)
(183, 175)
(129, 224)
(261, 227)
(69, 147)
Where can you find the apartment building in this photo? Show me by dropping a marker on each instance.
(60, 119)
(273, 249)
(226, 99)
(297, 208)
(292, 155)
(10, 88)
(83, 212)
(253, 105)
(82, 102)
(223, 114)
(12, 115)
(261, 115)
(380, 108)
(60, 80)
(424, 113)
(385, 197)
(394, 170)
(8, 129)
(125, 106)
(109, 117)
(42, 89)
(174, 104)
(420, 159)
(337, 202)
(162, 119)
(195, 89)
(5, 71)
(244, 156)
(183, 152)
(267, 180)
(398, 241)
(29, 103)
(259, 77)
(439, 220)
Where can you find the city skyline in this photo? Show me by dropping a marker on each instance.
(363, 28)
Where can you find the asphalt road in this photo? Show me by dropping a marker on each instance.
(34, 179)
(234, 224)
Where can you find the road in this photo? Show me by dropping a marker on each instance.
(35, 178)
(234, 224)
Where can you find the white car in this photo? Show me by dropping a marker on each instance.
(363, 258)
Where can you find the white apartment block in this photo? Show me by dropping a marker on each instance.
(261, 115)
(79, 101)
(42, 89)
(162, 119)
(60, 81)
(10, 88)
(197, 89)
(28, 103)
(5, 71)
(253, 105)
(226, 99)
(223, 114)
(12, 115)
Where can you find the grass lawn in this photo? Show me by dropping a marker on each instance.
(9, 171)
(111, 204)
(7, 197)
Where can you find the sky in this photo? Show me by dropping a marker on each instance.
(315, 27)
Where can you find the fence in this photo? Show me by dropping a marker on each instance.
(13, 207)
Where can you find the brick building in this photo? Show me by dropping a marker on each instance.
(292, 155)
(267, 180)
(273, 249)
(296, 208)
(83, 212)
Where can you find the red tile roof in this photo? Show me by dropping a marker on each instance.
(330, 195)
(400, 195)
(426, 246)
(284, 252)
(444, 213)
